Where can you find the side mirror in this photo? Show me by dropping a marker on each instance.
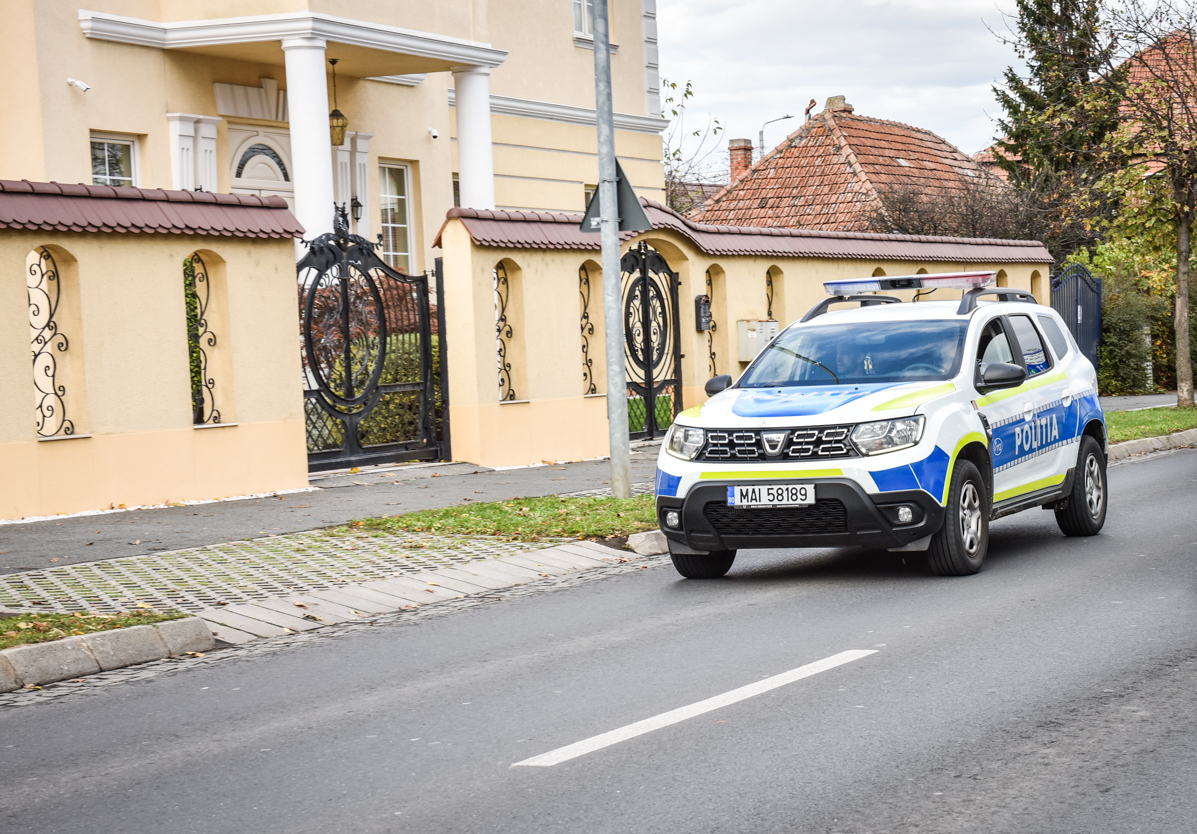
(1003, 375)
(719, 383)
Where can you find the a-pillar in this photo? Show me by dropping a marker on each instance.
(475, 151)
(311, 145)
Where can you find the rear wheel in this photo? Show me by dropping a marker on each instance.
(703, 565)
(959, 548)
(1084, 511)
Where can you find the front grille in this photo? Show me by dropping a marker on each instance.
(814, 443)
(827, 515)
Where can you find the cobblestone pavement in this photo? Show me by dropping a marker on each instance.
(244, 571)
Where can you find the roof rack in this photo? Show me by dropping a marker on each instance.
(969, 302)
(864, 301)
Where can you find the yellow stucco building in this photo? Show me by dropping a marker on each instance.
(491, 102)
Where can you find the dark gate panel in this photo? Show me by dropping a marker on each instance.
(651, 347)
(1076, 296)
(368, 357)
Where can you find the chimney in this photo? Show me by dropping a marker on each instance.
(839, 103)
(740, 153)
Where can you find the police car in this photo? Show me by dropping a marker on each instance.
(889, 424)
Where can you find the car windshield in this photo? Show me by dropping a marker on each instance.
(860, 352)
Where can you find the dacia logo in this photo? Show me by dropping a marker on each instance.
(1040, 432)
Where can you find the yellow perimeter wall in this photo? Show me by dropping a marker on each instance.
(552, 419)
(127, 374)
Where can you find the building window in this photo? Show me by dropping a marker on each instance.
(396, 217)
(113, 161)
(584, 17)
(456, 192)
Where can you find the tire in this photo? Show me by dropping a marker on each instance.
(1083, 513)
(703, 565)
(959, 548)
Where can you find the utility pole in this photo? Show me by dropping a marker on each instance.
(762, 133)
(617, 385)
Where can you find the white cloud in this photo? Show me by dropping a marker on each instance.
(928, 63)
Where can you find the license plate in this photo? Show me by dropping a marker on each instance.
(771, 495)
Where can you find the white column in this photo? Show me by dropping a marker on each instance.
(182, 150)
(475, 153)
(343, 171)
(205, 153)
(362, 175)
(311, 145)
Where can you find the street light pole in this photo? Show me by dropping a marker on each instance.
(617, 386)
(766, 124)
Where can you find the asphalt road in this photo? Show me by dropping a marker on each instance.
(1053, 692)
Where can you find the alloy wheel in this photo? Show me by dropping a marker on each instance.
(970, 518)
(1094, 492)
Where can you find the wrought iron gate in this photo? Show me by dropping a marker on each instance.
(370, 351)
(1076, 296)
(651, 346)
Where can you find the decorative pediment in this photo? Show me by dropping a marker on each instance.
(266, 102)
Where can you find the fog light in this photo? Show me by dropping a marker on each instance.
(905, 515)
(672, 519)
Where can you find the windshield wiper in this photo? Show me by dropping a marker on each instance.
(807, 359)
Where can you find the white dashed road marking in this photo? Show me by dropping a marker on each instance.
(590, 745)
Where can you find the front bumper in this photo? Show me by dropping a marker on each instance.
(843, 515)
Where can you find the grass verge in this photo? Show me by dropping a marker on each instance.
(42, 628)
(527, 519)
(1152, 422)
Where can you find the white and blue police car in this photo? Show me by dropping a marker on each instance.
(890, 424)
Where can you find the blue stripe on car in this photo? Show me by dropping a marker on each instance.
(667, 484)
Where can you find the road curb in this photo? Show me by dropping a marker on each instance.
(1146, 445)
(86, 654)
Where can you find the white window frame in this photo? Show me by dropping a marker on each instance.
(407, 199)
(120, 139)
(586, 7)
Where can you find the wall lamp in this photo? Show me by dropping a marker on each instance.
(355, 208)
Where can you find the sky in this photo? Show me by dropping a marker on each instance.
(927, 63)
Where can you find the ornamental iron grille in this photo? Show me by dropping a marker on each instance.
(46, 340)
(1076, 296)
(197, 289)
(588, 386)
(653, 357)
(711, 330)
(503, 331)
(769, 295)
(368, 356)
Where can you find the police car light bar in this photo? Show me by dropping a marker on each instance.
(944, 280)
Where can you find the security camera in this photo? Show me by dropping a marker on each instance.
(75, 82)
(432, 132)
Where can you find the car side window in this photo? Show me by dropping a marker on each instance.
(1033, 352)
(993, 347)
(1054, 335)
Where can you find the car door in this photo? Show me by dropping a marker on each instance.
(1004, 410)
(1046, 432)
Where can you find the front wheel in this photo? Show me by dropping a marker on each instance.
(959, 548)
(1084, 511)
(703, 565)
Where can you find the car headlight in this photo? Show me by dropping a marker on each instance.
(888, 435)
(684, 442)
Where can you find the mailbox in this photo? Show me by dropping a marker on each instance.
(702, 313)
(752, 336)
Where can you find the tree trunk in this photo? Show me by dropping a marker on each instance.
(1184, 359)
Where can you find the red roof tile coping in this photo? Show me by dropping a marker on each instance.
(66, 207)
(544, 230)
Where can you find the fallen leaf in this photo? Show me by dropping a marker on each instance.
(436, 474)
(312, 617)
(144, 605)
(299, 605)
(429, 591)
(54, 559)
(435, 583)
(195, 654)
(355, 470)
(10, 634)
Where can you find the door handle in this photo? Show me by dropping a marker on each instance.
(1028, 412)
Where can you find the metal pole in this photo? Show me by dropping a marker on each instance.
(617, 386)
